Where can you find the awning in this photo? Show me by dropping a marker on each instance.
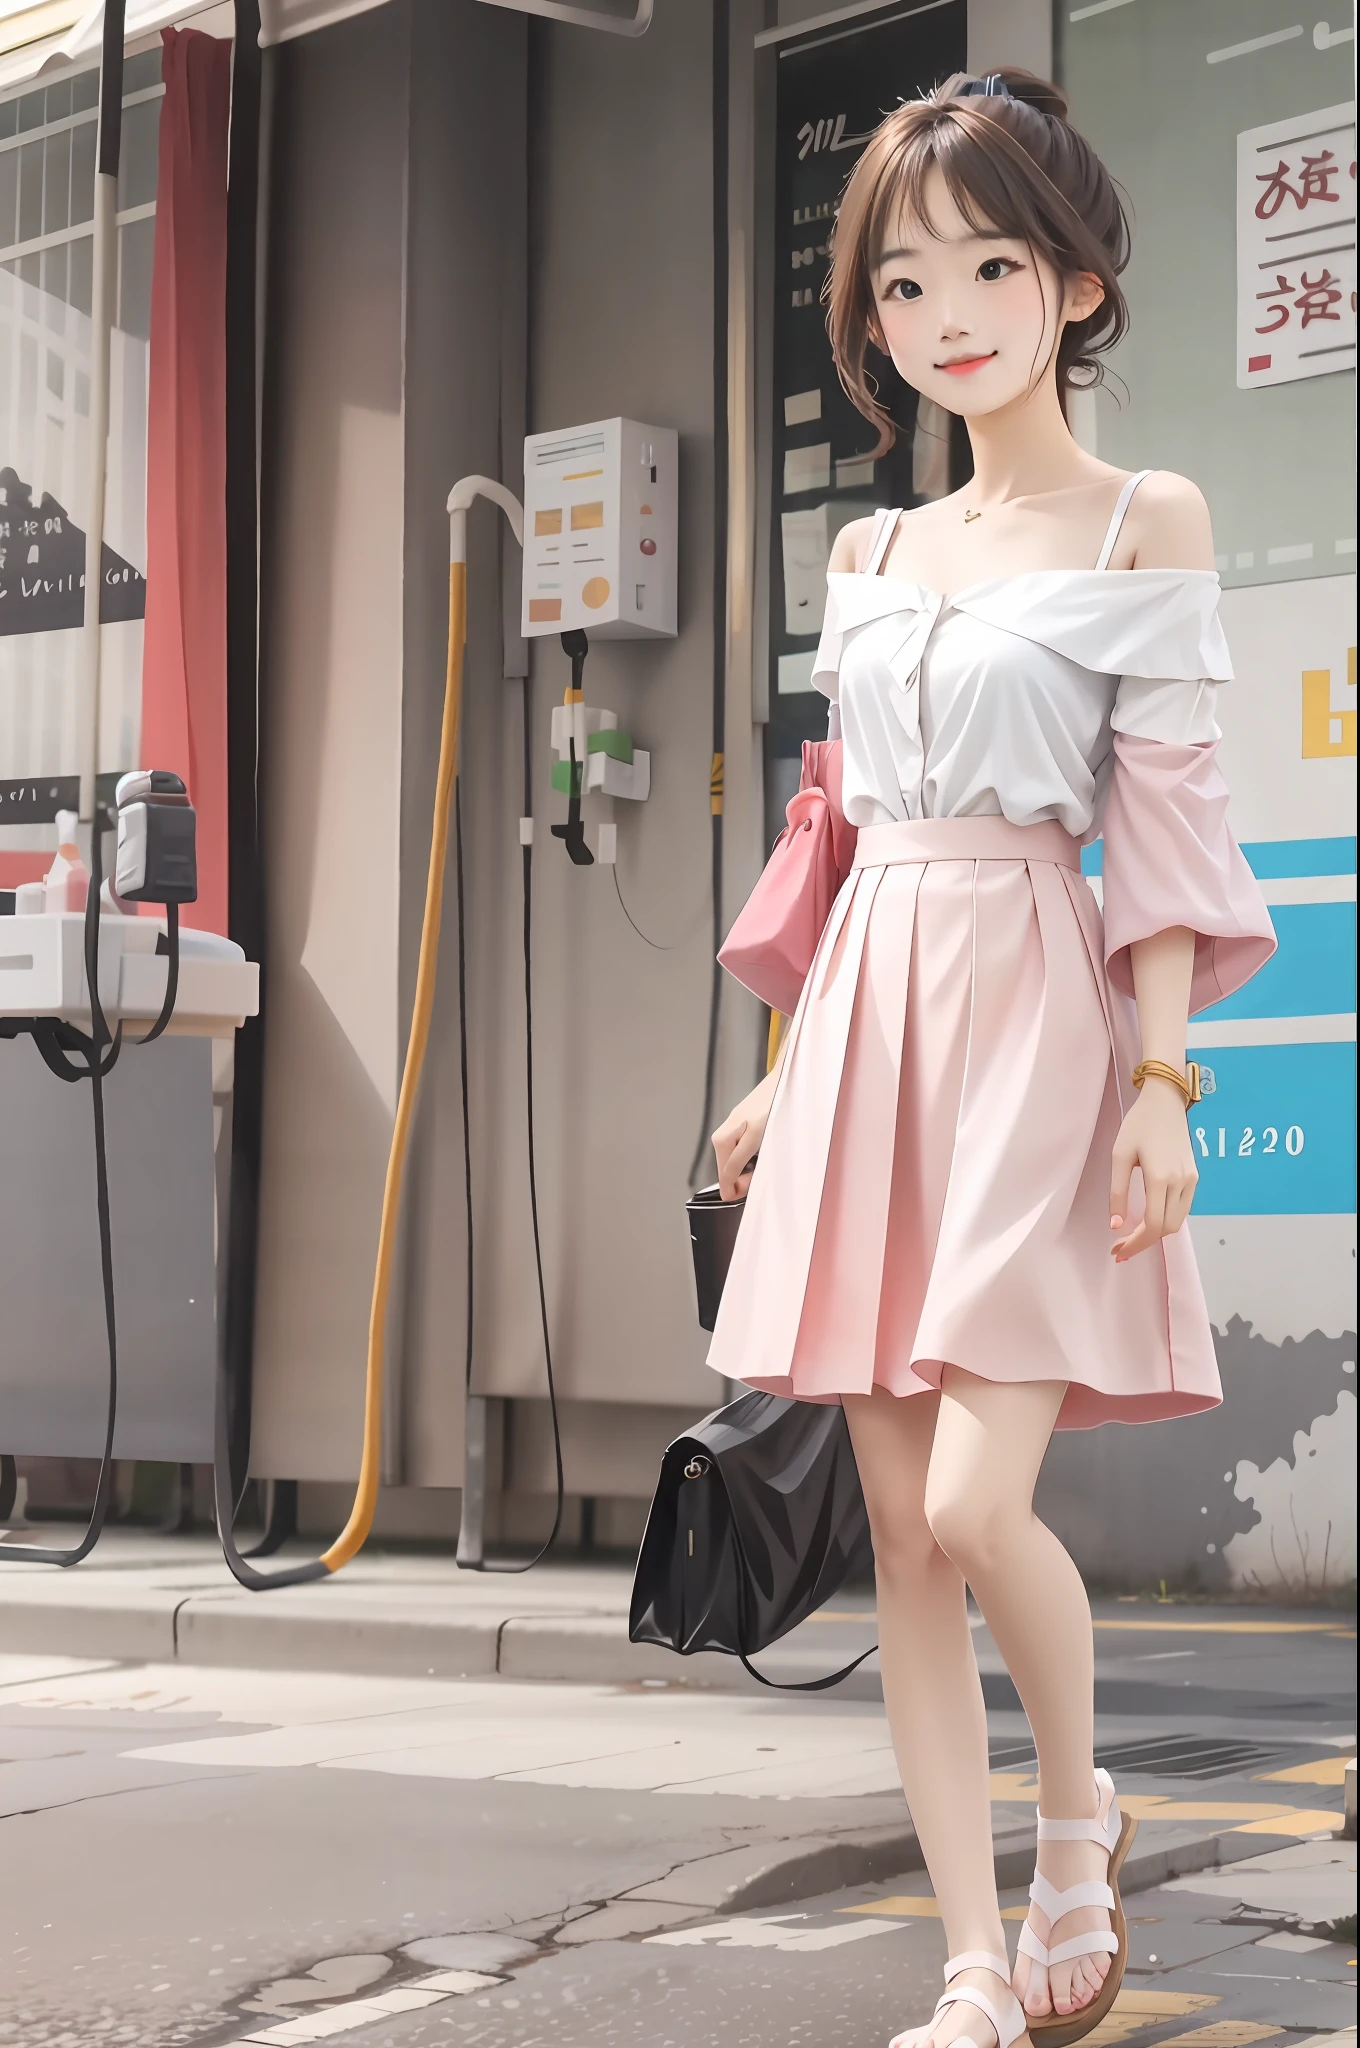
(34, 39)
(38, 34)
(282, 20)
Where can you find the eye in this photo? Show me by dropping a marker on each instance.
(995, 268)
(903, 288)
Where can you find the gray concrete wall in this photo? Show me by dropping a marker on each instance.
(331, 702)
(412, 140)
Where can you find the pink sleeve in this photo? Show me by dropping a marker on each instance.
(1171, 859)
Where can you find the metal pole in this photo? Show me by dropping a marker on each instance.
(101, 331)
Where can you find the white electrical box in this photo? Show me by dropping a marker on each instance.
(600, 531)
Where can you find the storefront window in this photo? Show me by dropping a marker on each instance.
(1231, 127)
(47, 169)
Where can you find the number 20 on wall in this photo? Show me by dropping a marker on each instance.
(1215, 1144)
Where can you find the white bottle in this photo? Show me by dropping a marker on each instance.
(67, 881)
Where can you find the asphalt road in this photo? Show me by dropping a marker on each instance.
(205, 1857)
(851, 1969)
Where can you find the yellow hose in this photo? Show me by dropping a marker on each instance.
(355, 1532)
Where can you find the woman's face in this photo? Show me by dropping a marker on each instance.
(971, 317)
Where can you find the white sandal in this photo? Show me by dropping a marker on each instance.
(1114, 1833)
(1007, 2020)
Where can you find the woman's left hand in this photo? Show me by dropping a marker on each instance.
(1154, 1137)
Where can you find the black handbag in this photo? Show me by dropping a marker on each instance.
(758, 1520)
(758, 1517)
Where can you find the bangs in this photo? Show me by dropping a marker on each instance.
(974, 180)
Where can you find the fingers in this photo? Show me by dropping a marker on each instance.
(734, 1145)
(1167, 1206)
(1154, 1206)
(740, 1161)
(1121, 1175)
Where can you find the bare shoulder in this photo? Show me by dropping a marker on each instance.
(849, 545)
(1169, 525)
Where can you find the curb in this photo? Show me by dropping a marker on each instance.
(779, 1874)
(308, 1629)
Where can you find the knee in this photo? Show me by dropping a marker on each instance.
(905, 1551)
(975, 1531)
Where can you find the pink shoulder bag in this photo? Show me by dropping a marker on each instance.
(770, 947)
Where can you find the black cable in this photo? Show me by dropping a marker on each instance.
(505, 1564)
(247, 202)
(576, 646)
(699, 1166)
(655, 944)
(171, 976)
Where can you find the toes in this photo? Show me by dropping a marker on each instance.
(1063, 1986)
(1084, 1984)
(1036, 1997)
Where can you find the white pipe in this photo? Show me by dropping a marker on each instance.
(275, 27)
(636, 24)
(461, 498)
(101, 331)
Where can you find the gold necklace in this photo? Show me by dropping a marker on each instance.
(970, 515)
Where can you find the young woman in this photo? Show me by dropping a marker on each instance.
(975, 1166)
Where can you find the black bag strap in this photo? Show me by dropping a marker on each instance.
(806, 1684)
(778, 1684)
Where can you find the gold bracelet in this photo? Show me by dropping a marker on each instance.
(1188, 1082)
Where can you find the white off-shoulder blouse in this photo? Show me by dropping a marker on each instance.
(1004, 698)
(1084, 696)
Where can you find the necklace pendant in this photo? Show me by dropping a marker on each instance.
(971, 515)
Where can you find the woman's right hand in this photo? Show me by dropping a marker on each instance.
(737, 1140)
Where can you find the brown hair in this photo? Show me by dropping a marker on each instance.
(1011, 161)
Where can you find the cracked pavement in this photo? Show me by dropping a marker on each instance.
(196, 1856)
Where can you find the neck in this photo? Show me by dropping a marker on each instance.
(1023, 449)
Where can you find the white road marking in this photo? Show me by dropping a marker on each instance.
(583, 1737)
(775, 1930)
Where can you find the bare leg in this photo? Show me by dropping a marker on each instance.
(990, 1440)
(930, 1685)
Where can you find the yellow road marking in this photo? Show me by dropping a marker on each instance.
(1164, 2005)
(1019, 1785)
(1294, 1823)
(1154, 1806)
(1115, 2027)
(1222, 2034)
(1244, 1816)
(1196, 1628)
(907, 1907)
(1135, 2011)
(1324, 1770)
(1220, 1628)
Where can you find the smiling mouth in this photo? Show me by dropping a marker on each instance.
(960, 366)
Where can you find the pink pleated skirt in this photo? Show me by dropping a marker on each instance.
(934, 1183)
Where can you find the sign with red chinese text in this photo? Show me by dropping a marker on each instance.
(1296, 248)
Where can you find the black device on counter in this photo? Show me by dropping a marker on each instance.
(157, 830)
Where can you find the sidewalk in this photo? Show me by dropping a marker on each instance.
(1227, 1727)
(414, 1613)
